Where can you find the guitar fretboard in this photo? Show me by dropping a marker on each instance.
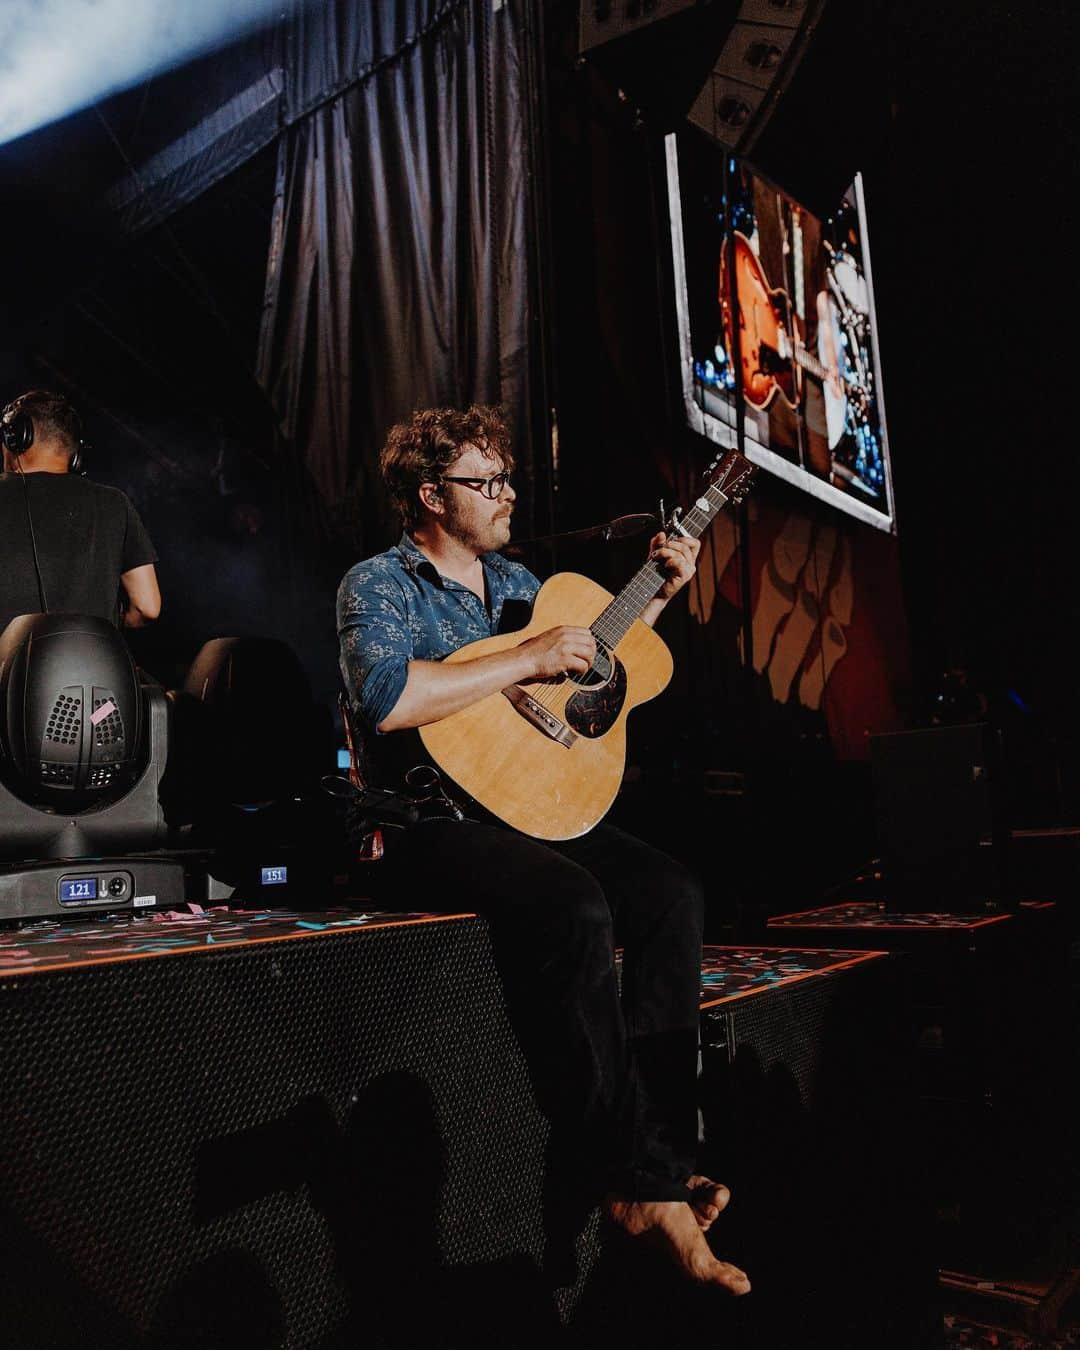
(810, 363)
(617, 620)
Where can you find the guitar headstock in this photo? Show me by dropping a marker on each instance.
(732, 474)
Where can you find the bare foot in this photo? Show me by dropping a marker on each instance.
(707, 1199)
(672, 1226)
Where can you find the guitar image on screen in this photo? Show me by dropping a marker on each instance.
(547, 757)
(771, 351)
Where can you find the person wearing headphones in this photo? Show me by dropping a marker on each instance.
(67, 545)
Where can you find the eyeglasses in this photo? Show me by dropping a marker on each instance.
(491, 486)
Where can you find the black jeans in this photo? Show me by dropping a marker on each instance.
(616, 1070)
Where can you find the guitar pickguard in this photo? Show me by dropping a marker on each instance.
(592, 712)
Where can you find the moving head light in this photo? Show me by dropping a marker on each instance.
(70, 711)
(82, 754)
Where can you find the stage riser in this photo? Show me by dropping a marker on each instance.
(333, 1136)
(331, 1140)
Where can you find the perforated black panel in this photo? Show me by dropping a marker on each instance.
(64, 724)
(283, 1144)
(109, 729)
(788, 1030)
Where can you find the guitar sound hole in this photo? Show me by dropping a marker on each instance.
(593, 711)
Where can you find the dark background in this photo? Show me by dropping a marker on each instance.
(963, 121)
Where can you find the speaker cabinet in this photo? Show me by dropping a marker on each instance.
(323, 1141)
(940, 830)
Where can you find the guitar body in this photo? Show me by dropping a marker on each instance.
(764, 346)
(551, 788)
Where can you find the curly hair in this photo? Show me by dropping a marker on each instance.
(423, 448)
(52, 415)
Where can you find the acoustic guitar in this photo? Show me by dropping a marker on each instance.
(547, 757)
(771, 351)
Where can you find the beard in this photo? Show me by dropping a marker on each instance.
(481, 536)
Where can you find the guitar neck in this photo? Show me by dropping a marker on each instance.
(629, 605)
(810, 363)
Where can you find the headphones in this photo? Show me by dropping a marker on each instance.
(17, 431)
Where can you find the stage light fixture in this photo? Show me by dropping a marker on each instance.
(82, 755)
(71, 714)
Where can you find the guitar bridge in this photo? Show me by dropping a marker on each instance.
(542, 718)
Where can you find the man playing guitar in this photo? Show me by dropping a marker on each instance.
(618, 1069)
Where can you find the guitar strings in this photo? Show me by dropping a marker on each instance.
(608, 628)
(605, 629)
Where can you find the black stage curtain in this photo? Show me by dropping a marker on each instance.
(397, 270)
(212, 114)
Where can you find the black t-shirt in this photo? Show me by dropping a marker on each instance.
(87, 535)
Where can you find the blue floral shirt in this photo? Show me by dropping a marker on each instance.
(396, 608)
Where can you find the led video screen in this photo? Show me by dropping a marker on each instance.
(776, 305)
